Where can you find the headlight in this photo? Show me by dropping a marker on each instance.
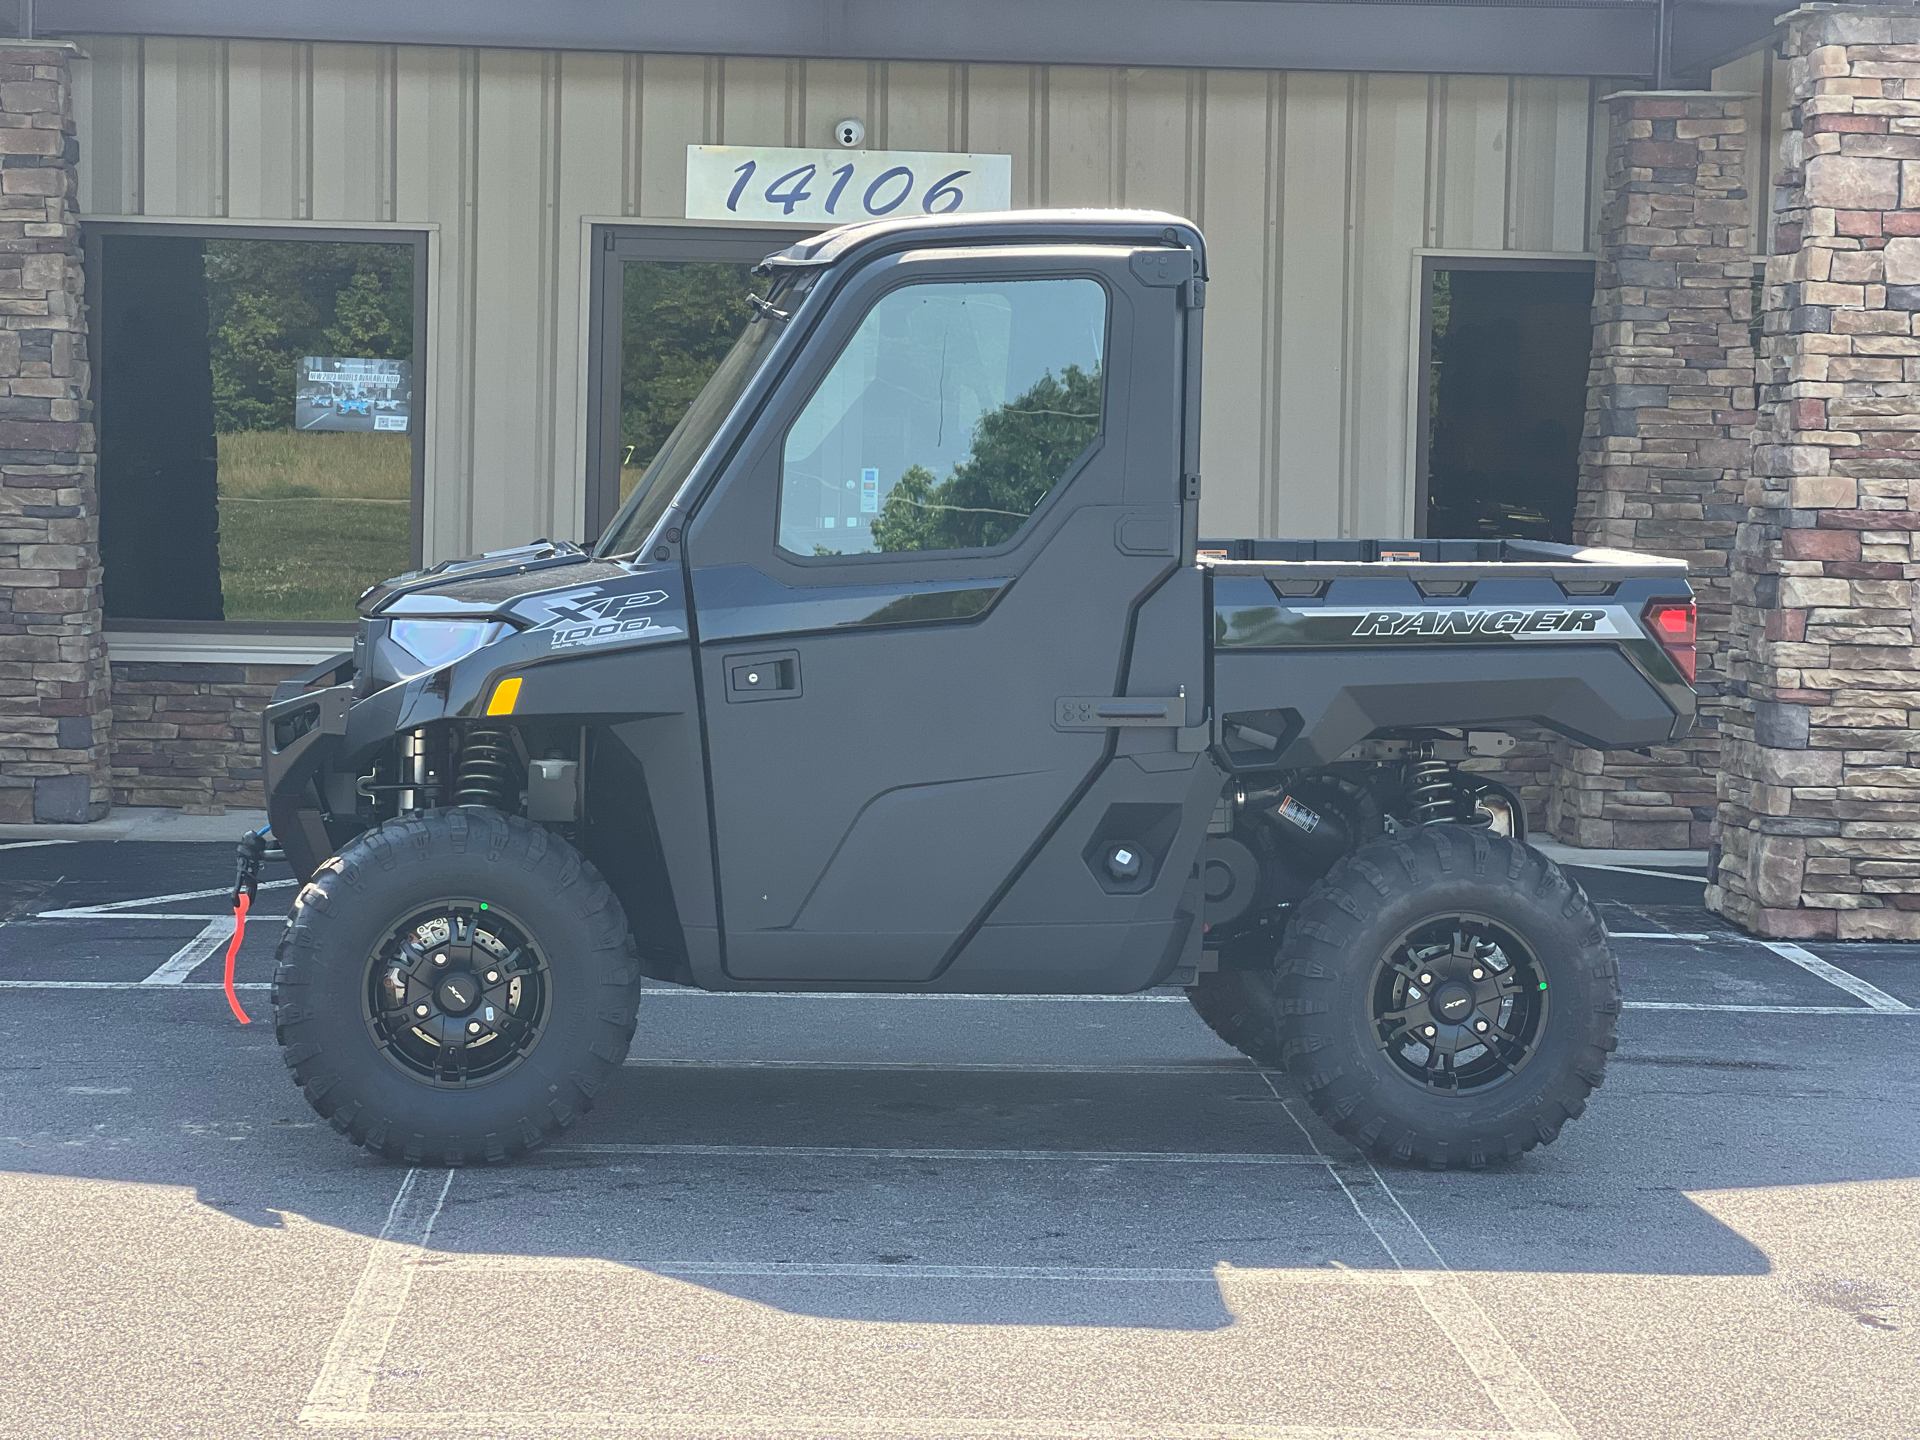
(441, 642)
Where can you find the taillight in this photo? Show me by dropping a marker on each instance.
(1674, 625)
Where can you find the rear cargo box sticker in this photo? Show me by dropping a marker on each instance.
(600, 622)
(1437, 621)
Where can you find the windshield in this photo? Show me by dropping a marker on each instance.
(662, 479)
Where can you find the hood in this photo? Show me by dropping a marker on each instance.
(483, 584)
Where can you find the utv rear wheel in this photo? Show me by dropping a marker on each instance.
(1446, 997)
(1238, 1006)
(455, 987)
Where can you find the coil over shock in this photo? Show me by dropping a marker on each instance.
(1431, 791)
(489, 770)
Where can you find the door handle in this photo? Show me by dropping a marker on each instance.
(767, 675)
(1127, 712)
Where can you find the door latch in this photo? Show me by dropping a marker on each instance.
(770, 675)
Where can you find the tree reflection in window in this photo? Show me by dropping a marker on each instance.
(1020, 450)
(946, 417)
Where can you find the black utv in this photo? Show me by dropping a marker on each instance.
(905, 669)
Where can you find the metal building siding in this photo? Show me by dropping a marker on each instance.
(1315, 189)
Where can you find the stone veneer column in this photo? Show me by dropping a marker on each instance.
(54, 726)
(1669, 406)
(1818, 831)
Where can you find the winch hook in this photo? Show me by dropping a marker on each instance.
(248, 857)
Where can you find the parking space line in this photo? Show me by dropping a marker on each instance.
(192, 955)
(135, 985)
(1222, 1274)
(107, 909)
(1897, 1010)
(1635, 870)
(881, 1152)
(1873, 995)
(759, 1425)
(31, 844)
(1512, 1389)
(344, 1387)
(676, 990)
(200, 917)
(1673, 935)
(948, 1067)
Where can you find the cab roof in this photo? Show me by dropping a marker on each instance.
(1134, 227)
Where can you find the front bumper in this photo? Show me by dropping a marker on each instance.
(298, 736)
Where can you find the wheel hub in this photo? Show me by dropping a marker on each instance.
(456, 994)
(1452, 1003)
(1459, 1004)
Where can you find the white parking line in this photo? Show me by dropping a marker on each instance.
(1512, 1388)
(1897, 1010)
(1634, 870)
(344, 1386)
(1225, 1067)
(107, 910)
(1834, 975)
(199, 917)
(1672, 935)
(192, 955)
(731, 1425)
(31, 844)
(879, 1152)
(135, 985)
(1690, 1006)
(1222, 1274)
(665, 991)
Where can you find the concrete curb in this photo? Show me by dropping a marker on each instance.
(129, 822)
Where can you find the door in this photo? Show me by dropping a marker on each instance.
(941, 529)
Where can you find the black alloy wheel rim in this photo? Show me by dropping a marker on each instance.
(457, 994)
(1459, 1004)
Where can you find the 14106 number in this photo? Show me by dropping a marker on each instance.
(889, 190)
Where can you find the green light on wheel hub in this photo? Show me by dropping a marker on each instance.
(483, 905)
(1543, 984)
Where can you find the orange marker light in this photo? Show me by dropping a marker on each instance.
(505, 695)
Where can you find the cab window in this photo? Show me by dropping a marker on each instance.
(952, 413)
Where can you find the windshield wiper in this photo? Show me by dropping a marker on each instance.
(765, 308)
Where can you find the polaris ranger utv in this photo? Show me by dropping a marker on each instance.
(904, 668)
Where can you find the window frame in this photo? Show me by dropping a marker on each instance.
(613, 246)
(1047, 503)
(1431, 263)
(93, 232)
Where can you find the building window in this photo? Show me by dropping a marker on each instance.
(669, 303)
(259, 414)
(1507, 345)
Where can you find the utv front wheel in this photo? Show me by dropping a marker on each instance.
(1446, 997)
(455, 987)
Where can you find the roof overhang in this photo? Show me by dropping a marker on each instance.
(1612, 38)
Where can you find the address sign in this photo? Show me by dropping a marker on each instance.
(831, 187)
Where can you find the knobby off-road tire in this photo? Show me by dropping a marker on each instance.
(326, 995)
(1328, 996)
(1239, 1006)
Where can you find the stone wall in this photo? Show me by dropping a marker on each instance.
(1669, 410)
(189, 735)
(1819, 817)
(53, 663)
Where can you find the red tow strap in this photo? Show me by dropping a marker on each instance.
(241, 903)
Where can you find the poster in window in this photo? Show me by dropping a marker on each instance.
(342, 392)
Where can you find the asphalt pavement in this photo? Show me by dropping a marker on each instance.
(829, 1216)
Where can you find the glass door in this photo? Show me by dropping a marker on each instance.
(669, 303)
